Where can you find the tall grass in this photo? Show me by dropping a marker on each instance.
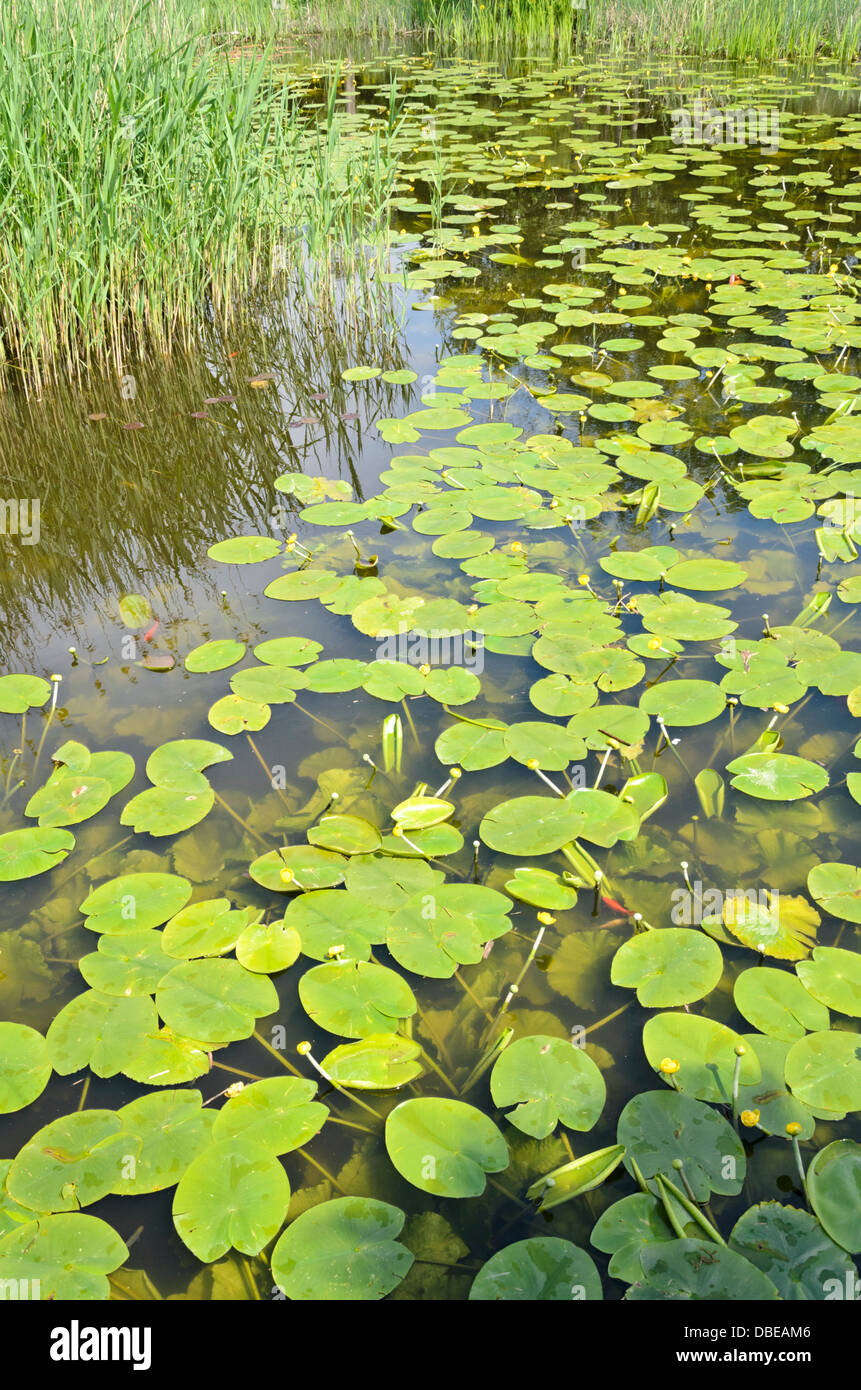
(738, 29)
(147, 180)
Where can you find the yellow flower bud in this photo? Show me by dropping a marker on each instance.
(793, 1129)
(749, 1118)
(669, 1066)
(303, 1049)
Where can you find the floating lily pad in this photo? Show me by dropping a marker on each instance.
(673, 966)
(25, 1068)
(355, 999)
(833, 977)
(777, 776)
(444, 1147)
(705, 1052)
(26, 853)
(792, 1250)
(344, 1249)
(380, 1062)
(215, 656)
(658, 1127)
(824, 1071)
(834, 1188)
(279, 1113)
(776, 1002)
(542, 1269)
(69, 1256)
(216, 998)
(548, 1080)
(234, 1195)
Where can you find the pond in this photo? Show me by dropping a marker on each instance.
(450, 842)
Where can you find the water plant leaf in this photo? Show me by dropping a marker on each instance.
(381, 1061)
(684, 703)
(547, 1080)
(169, 1129)
(99, 1031)
(68, 1256)
(267, 947)
(790, 1247)
(135, 611)
(244, 550)
(434, 933)
(705, 1052)
(540, 888)
(420, 812)
(217, 998)
(527, 825)
(335, 918)
(834, 1186)
(575, 1178)
(824, 1071)
(675, 965)
(26, 853)
(777, 1003)
(625, 1228)
(234, 715)
(660, 1127)
(777, 776)
(769, 1096)
(160, 811)
(837, 888)
(208, 928)
(70, 1162)
(130, 964)
(833, 976)
(279, 1113)
(355, 998)
(297, 868)
(444, 1147)
(217, 655)
(20, 693)
(25, 1067)
(345, 835)
(135, 902)
(699, 1270)
(344, 1249)
(541, 1269)
(234, 1195)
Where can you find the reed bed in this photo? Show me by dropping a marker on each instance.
(150, 179)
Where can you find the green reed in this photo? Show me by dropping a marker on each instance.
(152, 180)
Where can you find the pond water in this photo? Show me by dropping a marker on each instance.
(623, 319)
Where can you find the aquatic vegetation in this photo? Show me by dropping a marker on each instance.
(519, 804)
(174, 182)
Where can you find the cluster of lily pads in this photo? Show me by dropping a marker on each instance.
(569, 558)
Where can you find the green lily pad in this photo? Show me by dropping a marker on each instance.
(170, 1129)
(777, 776)
(215, 656)
(530, 825)
(548, 1080)
(99, 1031)
(540, 888)
(234, 1195)
(833, 976)
(625, 1228)
(778, 1004)
(70, 1162)
(333, 918)
(434, 933)
(823, 1070)
(345, 835)
(26, 853)
(675, 965)
(161, 811)
(705, 1052)
(702, 1271)
(837, 888)
(279, 1113)
(444, 1147)
(25, 1068)
(127, 965)
(355, 998)
(342, 1250)
(233, 715)
(684, 703)
(208, 928)
(541, 1269)
(217, 998)
(298, 868)
(267, 947)
(244, 550)
(380, 1062)
(69, 1256)
(834, 1188)
(791, 1249)
(20, 693)
(658, 1127)
(135, 902)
